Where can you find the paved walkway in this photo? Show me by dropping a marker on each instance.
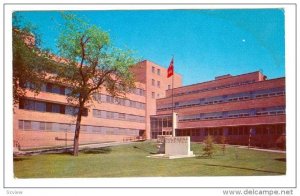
(264, 150)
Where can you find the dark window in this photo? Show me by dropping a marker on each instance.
(29, 105)
(62, 90)
(153, 95)
(40, 106)
(55, 89)
(49, 87)
(55, 108)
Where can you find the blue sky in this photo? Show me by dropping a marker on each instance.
(205, 43)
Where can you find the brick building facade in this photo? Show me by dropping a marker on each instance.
(46, 119)
(246, 109)
(243, 108)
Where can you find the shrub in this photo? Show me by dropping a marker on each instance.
(208, 146)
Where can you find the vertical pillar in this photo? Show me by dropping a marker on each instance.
(174, 122)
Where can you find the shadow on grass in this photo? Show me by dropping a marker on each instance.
(204, 157)
(59, 152)
(243, 168)
(16, 159)
(281, 159)
(145, 150)
(103, 150)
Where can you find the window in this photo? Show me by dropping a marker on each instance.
(153, 69)
(35, 125)
(43, 87)
(40, 106)
(49, 126)
(153, 95)
(109, 114)
(71, 110)
(55, 108)
(157, 95)
(27, 124)
(68, 91)
(158, 71)
(121, 116)
(169, 86)
(29, 85)
(49, 87)
(83, 128)
(133, 104)
(158, 84)
(42, 126)
(29, 105)
(153, 82)
(102, 114)
(21, 124)
(55, 89)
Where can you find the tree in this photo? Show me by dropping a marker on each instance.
(90, 64)
(208, 147)
(30, 63)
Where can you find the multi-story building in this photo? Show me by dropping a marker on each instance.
(246, 109)
(47, 119)
(156, 85)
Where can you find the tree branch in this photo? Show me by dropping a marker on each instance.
(101, 80)
(82, 45)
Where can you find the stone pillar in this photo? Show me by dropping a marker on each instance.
(174, 121)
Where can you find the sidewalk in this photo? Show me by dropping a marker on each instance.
(264, 150)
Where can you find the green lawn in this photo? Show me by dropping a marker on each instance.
(131, 161)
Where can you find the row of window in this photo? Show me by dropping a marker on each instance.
(63, 90)
(157, 70)
(118, 116)
(50, 88)
(52, 126)
(119, 101)
(138, 91)
(226, 98)
(277, 110)
(159, 123)
(153, 95)
(216, 87)
(157, 83)
(232, 131)
(70, 110)
(41, 106)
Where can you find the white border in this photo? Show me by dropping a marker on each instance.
(249, 181)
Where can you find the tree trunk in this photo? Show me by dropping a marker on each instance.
(77, 131)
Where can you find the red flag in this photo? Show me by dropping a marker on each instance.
(171, 68)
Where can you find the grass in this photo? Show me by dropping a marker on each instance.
(131, 161)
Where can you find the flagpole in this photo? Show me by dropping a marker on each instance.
(173, 119)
